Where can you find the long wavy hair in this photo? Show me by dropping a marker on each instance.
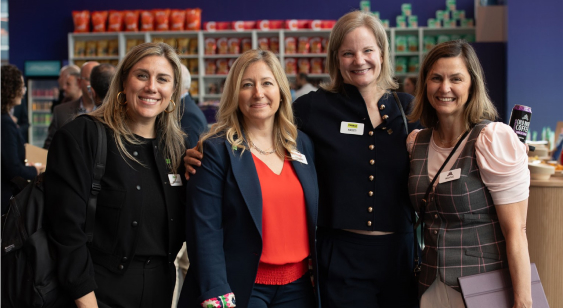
(12, 86)
(478, 107)
(114, 114)
(345, 25)
(230, 120)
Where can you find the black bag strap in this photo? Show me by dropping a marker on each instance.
(99, 170)
(398, 101)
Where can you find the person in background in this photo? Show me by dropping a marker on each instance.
(193, 120)
(365, 234)
(409, 85)
(13, 150)
(304, 85)
(139, 226)
(475, 221)
(252, 207)
(63, 113)
(100, 80)
(64, 72)
(71, 87)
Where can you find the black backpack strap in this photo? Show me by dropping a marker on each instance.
(99, 170)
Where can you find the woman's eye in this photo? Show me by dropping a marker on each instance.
(142, 76)
(268, 83)
(162, 79)
(246, 85)
(369, 50)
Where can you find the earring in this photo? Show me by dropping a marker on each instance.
(173, 108)
(125, 102)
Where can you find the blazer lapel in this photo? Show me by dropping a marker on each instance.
(308, 181)
(248, 182)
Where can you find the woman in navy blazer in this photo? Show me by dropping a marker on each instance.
(227, 203)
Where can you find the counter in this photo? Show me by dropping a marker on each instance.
(545, 235)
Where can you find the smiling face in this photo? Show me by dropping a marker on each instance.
(448, 86)
(360, 58)
(259, 94)
(148, 88)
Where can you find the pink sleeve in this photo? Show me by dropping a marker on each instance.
(503, 163)
(410, 140)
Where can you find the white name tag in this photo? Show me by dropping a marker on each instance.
(175, 180)
(450, 175)
(351, 128)
(299, 157)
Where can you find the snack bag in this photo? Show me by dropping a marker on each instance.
(102, 48)
(131, 20)
(177, 20)
(263, 43)
(316, 66)
(91, 48)
(193, 19)
(147, 21)
(303, 46)
(193, 47)
(115, 21)
(113, 48)
(171, 42)
(193, 66)
(222, 67)
(324, 43)
(246, 44)
(290, 66)
(210, 46)
(412, 42)
(158, 40)
(79, 48)
(290, 45)
(130, 43)
(234, 45)
(183, 45)
(222, 46)
(99, 21)
(231, 62)
(304, 66)
(316, 45)
(210, 67)
(275, 44)
(81, 21)
(161, 19)
(184, 61)
(194, 88)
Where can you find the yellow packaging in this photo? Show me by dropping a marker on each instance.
(79, 48)
(193, 47)
(102, 50)
(130, 43)
(170, 41)
(114, 62)
(193, 66)
(91, 48)
(194, 88)
(113, 48)
(183, 45)
(158, 40)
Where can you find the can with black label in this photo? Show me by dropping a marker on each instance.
(520, 121)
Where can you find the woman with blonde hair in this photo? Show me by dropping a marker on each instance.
(138, 226)
(252, 207)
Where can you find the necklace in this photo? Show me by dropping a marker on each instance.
(259, 150)
(449, 142)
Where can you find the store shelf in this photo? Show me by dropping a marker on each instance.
(212, 96)
(43, 98)
(305, 55)
(94, 58)
(223, 56)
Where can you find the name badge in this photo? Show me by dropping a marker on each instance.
(175, 180)
(299, 157)
(451, 175)
(352, 128)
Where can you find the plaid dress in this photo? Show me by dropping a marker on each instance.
(462, 234)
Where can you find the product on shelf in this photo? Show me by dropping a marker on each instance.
(115, 21)
(91, 48)
(102, 48)
(412, 21)
(222, 46)
(131, 20)
(177, 20)
(401, 21)
(222, 67)
(450, 5)
(243, 25)
(114, 62)
(210, 67)
(185, 62)
(443, 38)
(81, 21)
(212, 88)
(296, 24)
(210, 46)
(194, 88)
(170, 41)
(275, 44)
(231, 62)
(99, 21)
(365, 6)
(79, 48)
(183, 45)
(316, 65)
(246, 44)
(470, 38)
(325, 67)
(324, 43)
(161, 19)
(375, 14)
(147, 21)
(290, 45)
(412, 43)
(429, 42)
(315, 45)
(158, 39)
(400, 43)
(406, 9)
(413, 65)
(193, 19)
(266, 24)
(263, 43)
(304, 65)
(434, 23)
(385, 23)
(458, 15)
(234, 45)
(193, 66)
(303, 45)
(193, 47)
(216, 25)
(467, 22)
(442, 15)
(400, 65)
(130, 43)
(290, 66)
(450, 23)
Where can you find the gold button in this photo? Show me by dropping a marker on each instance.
(371, 133)
(371, 177)
(385, 117)
(371, 162)
(435, 232)
(369, 223)
(371, 147)
(370, 193)
(435, 215)
(389, 131)
(370, 209)
(384, 128)
(381, 107)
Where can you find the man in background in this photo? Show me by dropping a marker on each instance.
(304, 85)
(193, 120)
(66, 71)
(67, 111)
(100, 79)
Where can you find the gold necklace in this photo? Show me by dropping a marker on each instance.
(259, 150)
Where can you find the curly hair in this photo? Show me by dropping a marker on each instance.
(12, 86)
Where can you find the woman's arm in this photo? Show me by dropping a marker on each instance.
(512, 218)
(12, 166)
(87, 301)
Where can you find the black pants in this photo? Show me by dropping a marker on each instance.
(297, 294)
(148, 282)
(357, 270)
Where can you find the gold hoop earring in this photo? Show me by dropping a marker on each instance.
(173, 108)
(120, 103)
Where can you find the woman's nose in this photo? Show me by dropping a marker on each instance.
(258, 92)
(150, 86)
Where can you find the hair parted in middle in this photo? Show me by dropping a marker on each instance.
(114, 114)
(230, 120)
(345, 25)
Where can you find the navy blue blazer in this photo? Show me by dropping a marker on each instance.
(224, 221)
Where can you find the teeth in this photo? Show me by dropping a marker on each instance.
(446, 99)
(361, 72)
(150, 100)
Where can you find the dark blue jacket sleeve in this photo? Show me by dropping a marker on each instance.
(13, 153)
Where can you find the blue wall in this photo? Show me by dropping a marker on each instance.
(535, 60)
(38, 28)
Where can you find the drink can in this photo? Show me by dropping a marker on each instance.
(520, 121)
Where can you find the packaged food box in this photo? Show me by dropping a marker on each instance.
(177, 20)
(468, 22)
(263, 43)
(184, 61)
(99, 21)
(450, 5)
(316, 65)
(413, 65)
(131, 20)
(433, 23)
(315, 45)
(158, 39)
(365, 6)
(450, 23)
(246, 44)
(290, 45)
(234, 45)
(91, 48)
(400, 43)
(303, 45)
(458, 15)
(81, 21)
(401, 21)
(400, 65)
(130, 43)
(275, 44)
(222, 45)
(222, 67)
(412, 21)
(193, 66)
(412, 43)
(102, 48)
(290, 66)
(193, 19)
(406, 9)
(194, 88)
(304, 66)
(210, 67)
(193, 47)
(325, 67)
(79, 48)
(385, 23)
(210, 46)
(183, 45)
(171, 41)
(231, 62)
(429, 42)
(147, 21)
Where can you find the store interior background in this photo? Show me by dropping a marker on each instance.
(527, 69)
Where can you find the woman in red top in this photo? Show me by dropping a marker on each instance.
(252, 207)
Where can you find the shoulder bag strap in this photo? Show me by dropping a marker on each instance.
(398, 101)
(99, 170)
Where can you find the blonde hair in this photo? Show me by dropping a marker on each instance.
(478, 107)
(345, 25)
(230, 120)
(114, 114)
